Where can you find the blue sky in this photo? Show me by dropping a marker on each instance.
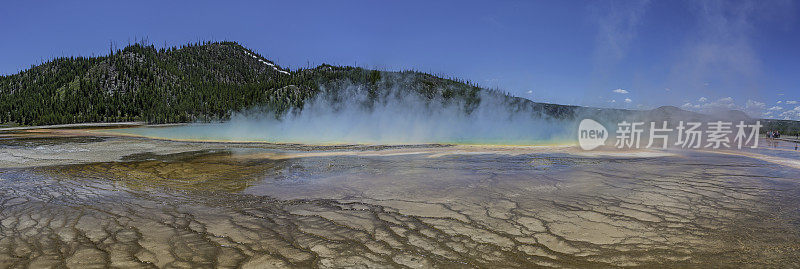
(698, 55)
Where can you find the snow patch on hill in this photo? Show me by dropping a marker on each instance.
(267, 63)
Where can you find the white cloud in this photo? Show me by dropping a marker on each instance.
(621, 91)
(691, 106)
(720, 104)
(752, 107)
(612, 101)
(791, 102)
(793, 114)
(628, 100)
(702, 99)
(530, 91)
(779, 102)
(754, 104)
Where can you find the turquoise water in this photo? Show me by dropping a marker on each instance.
(230, 133)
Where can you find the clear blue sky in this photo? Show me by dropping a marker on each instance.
(691, 54)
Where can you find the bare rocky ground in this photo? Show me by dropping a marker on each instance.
(95, 202)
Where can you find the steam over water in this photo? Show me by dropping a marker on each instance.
(394, 117)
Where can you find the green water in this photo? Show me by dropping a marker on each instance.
(220, 132)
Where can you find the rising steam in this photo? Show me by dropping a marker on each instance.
(396, 116)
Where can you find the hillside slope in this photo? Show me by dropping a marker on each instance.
(197, 82)
(144, 83)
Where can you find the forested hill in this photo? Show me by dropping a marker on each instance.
(205, 81)
(144, 83)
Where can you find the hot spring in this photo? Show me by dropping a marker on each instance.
(398, 117)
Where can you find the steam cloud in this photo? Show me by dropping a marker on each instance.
(396, 116)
